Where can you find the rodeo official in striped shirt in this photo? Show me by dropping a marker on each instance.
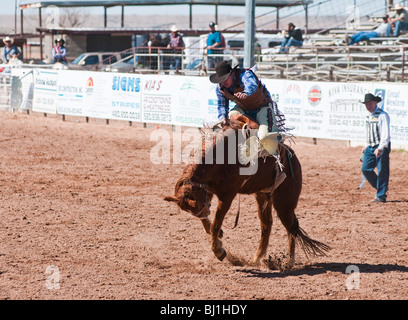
(378, 148)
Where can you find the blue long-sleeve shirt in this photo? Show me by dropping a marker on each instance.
(248, 82)
(7, 53)
(59, 53)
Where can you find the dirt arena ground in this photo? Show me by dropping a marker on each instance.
(82, 203)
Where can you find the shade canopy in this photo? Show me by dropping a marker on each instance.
(27, 4)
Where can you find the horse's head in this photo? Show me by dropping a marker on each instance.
(192, 197)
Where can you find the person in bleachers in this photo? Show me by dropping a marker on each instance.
(383, 30)
(399, 19)
(59, 52)
(213, 46)
(293, 37)
(9, 51)
(177, 45)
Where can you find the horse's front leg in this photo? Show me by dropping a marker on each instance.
(216, 243)
(207, 227)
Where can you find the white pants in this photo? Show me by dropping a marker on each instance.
(268, 139)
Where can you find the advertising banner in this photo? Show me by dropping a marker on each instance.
(328, 110)
(71, 90)
(157, 99)
(45, 91)
(346, 114)
(395, 103)
(122, 94)
(190, 105)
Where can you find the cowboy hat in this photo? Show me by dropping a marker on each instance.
(60, 39)
(370, 97)
(173, 28)
(223, 70)
(398, 6)
(8, 39)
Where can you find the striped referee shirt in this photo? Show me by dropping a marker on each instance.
(378, 129)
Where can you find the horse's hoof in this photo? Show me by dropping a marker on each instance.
(222, 255)
(220, 234)
(288, 265)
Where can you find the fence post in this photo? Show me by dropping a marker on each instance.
(158, 61)
(403, 65)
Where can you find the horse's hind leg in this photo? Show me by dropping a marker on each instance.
(285, 199)
(265, 217)
(289, 221)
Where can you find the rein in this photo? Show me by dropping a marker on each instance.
(207, 204)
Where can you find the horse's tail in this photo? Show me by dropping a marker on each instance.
(309, 246)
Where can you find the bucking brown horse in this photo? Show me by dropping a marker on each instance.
(202, 180)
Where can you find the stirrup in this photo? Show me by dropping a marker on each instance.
(249, 150)
(270, 143)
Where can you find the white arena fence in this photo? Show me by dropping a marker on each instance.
(5, 91)
(327, 110)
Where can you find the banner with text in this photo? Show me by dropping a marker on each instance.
(329, 110)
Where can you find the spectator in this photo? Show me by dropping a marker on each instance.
(177, 45)
(59, 52)
(293, 37)
(384, 29)
(213, 45)
(9, 52)
(399, 19)
(155, 42)
(376, 154)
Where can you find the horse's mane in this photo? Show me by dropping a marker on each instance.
(211, 135)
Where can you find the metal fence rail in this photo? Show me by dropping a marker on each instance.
(313, 63)
(357, 63)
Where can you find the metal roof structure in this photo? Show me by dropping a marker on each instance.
(39, 4)
(278, 4)
(27, 4)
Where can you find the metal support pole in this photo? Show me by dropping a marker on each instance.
(105, 17)
(122, 23)
(21, 23)
(191, 16)
(249, 33)
(403, 65)
(15, 18)
(307, 18)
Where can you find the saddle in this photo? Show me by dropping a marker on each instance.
(244, 121)
(254, 146)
